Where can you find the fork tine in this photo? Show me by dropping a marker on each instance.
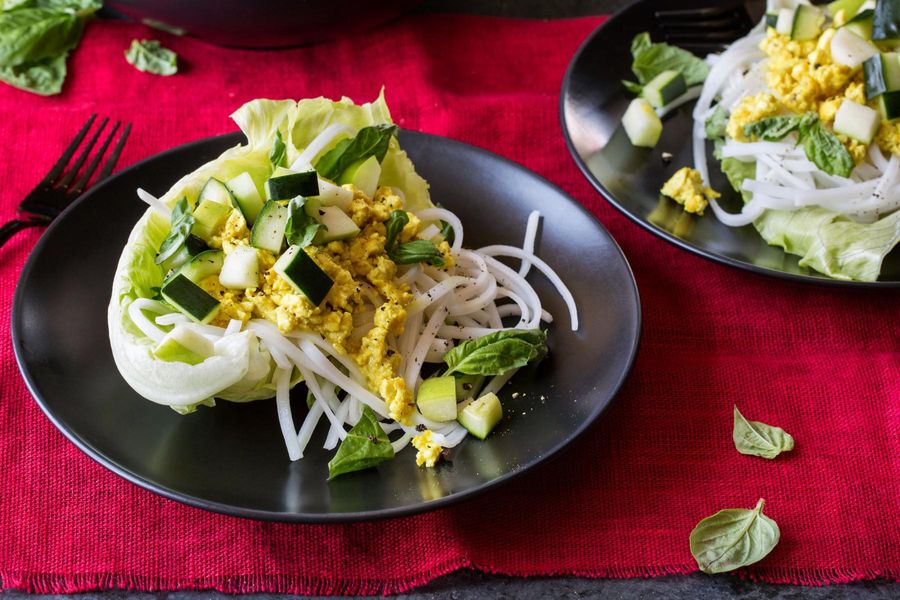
(67, 154)
(114, 157)
(697, 13)
(92, 166)
(70, 175)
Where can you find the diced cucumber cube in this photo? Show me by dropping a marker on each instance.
(336, 225)
(436, 398)
(183, 344)
(284, 186)
(807, 24)
(331, 194)
(850, 7)
(642, 124)
(785, 23)
(303, 274)
(480, 416)
(190, 299)
(890, 105)
(364, 175)
(268, 230)
(861, 24)
(850, 50)
(468, 386)
(208, 262)
(857, 121)
(216, 191)
(246, 196)
(240, 270)
(664, 88)
(209, 217)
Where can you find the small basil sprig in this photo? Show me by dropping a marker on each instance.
(300, 228)
(733, 538)
(417, 251)
(365, 446)
(278, 153)
(149, 56)
(772, 129)
(410, 252)
(758, 439)
(822, 147)
(497, 353)
(182, 222)
(370, 141)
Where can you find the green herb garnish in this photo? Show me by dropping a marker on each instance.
(370, 141)
(300, 228)
(365, 446)
(148, 56)
(497, 353)
(733, 538)
(758, 439)
(649, 60)
(182, 222)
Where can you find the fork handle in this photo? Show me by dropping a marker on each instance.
(16, 225)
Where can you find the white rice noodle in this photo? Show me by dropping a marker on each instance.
(517, 285)
(309, 425)
(411, 273)
(319, 143)
(282, 380)
(549, 273)
(435, 293)
(154, 202)
(439, 347)
(416, 359)
(334, 433)
(440, 214)
(429, 232)
(751, 150)
(312, 383)
(531, 229)
(497, 383)
(751, 211)
(692, 93)
(401, 442)
(142, 322)
(234, 326)
(458, 332)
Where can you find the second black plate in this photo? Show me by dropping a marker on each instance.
(592, 103)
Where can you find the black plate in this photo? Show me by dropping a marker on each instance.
(592, 103)
(231, 459)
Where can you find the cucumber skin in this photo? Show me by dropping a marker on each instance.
(436, 398)
(205, 306)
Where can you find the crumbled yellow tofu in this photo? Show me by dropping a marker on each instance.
(429, 451)
(686, 187)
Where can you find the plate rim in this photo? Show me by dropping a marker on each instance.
(665, 235)
(17, 331)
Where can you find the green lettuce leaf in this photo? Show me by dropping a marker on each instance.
(649, 60)
(240, 370)
(826, 241)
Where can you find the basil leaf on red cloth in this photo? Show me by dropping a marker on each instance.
(733, 538)
(758, 439)
(148, 56)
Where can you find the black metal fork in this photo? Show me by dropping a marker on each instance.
(59, 188)
(707, 29)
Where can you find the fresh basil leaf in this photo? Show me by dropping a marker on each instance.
(30, 35)
(182, 221)
(717, 123)
(148, 56)
(44, 77)
(365, 446)
(370, 141)
(78, 7)
(448, 233)
(823, 148)
(772, 129)
(498, 352)
(733, 538)
(394, 225)
(649, 60)
(300, 228)
(758, 439)
(278, 153)
(417, 251)
(8, 5)
(634, 88)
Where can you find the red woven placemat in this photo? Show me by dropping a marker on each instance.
(822, 363)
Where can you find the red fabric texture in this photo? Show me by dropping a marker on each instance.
(823, 363)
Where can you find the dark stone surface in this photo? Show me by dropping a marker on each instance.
(469, 584)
